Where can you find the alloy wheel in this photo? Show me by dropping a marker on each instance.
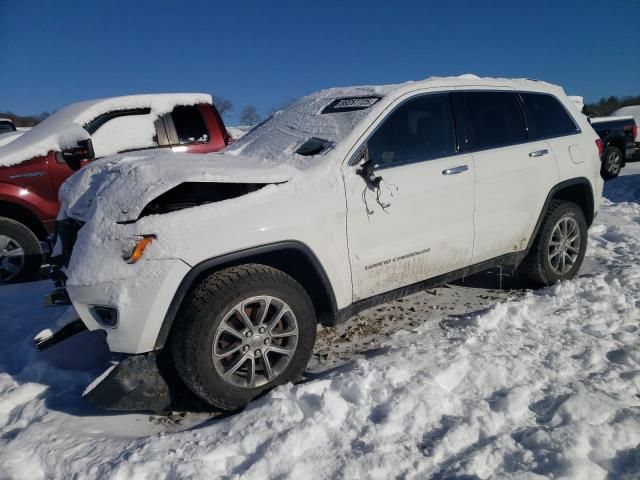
(11, 258)
(255, 341)
(614, 162)
(564, 245)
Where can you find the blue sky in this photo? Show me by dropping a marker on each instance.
(264, 53)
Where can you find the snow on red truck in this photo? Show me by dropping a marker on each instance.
(34, 166)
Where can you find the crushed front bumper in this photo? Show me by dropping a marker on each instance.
(143, 382)
(134, 384)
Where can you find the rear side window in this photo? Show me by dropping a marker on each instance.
(420, 129)
(546, 116)
(189, 125)
(493, 119)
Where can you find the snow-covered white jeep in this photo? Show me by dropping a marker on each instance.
(223, 264)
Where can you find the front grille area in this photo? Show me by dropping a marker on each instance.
(67, 232)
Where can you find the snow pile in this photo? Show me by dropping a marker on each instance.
(64, 129)
(544, 385)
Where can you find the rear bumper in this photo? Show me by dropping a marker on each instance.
(141, 303)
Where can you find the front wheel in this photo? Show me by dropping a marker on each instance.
(20, 252)
(241, 331)
(611, 163)
(558, 250)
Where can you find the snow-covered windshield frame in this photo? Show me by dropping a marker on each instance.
(321, 112)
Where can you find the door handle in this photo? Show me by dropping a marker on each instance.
(539, 153)
(455, 170)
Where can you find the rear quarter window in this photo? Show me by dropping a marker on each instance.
(546, 117)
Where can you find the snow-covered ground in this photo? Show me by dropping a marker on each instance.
(465, 381)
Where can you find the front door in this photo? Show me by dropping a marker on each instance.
(418, 223)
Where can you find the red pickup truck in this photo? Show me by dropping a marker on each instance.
(33, 166)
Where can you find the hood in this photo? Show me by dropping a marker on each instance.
(9, 137)
(120, 187)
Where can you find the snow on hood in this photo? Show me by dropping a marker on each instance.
(123, 185)
(64, 129)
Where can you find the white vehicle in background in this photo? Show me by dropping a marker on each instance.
(632, 111)
(223, 264)
(8, 131)
(6, 125)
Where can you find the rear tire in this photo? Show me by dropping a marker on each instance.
(227, 358)
(20, 252)
(559, 247)
(612, 161)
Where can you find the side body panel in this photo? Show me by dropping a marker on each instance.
(511, 188)
(28, 185)
(426, 230)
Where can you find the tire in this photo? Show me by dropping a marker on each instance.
(207, 317)
(612, 162)
(15, 238)
(542, 266)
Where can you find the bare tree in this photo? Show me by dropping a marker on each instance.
(223, 105)
(249, 115)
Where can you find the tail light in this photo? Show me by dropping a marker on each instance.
(633, 130)
(600, 146)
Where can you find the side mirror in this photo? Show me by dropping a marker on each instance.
(73, 156)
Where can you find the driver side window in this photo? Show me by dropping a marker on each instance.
(420, 129)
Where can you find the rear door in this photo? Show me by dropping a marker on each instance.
(513, 173)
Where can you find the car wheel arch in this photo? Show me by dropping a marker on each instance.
(24, 216)
(577, 190)
(292, 257)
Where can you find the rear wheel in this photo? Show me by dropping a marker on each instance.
(241, 331)
(558, 250)
(612, 161)
(20, 252)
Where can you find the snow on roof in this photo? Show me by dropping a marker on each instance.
(279, 137)
(578, 100)
(633, 110)
(6, 120)
(64, 129)
(611, 118)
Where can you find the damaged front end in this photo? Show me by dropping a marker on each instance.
(194, 194)
(143, 382)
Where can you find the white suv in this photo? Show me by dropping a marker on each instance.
(221, 265)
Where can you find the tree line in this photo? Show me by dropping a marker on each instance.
(605, 106)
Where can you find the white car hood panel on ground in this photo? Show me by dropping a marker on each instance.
(64, 129)
(123, 185)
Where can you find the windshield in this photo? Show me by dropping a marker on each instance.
(308, 127)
